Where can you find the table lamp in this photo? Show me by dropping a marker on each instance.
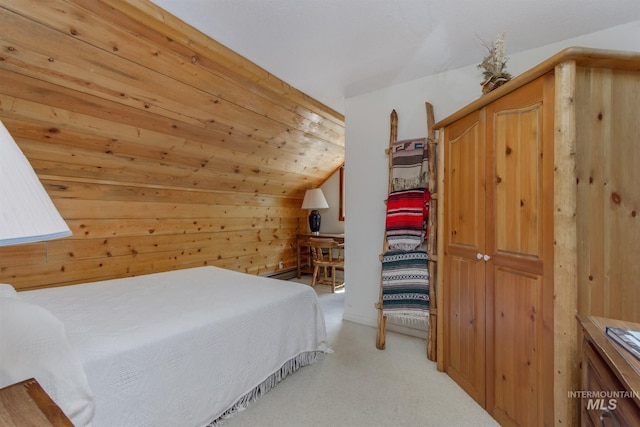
(27, 214)
(314, 200)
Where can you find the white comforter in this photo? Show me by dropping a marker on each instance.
(180, 348)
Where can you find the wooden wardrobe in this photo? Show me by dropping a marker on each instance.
(540, 184)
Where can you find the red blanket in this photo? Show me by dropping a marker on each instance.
(407, 212)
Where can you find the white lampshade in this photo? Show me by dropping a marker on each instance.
(27, 214)
(314, 199)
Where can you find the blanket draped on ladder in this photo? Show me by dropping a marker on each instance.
(405, 219)
(408, 200)
(405, 285)
(409, 164)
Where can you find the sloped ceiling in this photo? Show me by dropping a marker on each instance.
(332, 49)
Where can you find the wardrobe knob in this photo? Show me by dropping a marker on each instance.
(486, 257)
(479, 256)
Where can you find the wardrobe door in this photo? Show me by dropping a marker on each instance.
(520, 201)
(464, 245)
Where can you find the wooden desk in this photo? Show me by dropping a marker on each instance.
(303, 242)
(27, 404)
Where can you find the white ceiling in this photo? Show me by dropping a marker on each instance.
(334, 49)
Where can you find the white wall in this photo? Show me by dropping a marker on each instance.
(367, 137)
(329, 222)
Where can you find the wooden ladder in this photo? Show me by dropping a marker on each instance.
(431, 243)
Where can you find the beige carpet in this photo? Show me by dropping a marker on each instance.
(360, 386)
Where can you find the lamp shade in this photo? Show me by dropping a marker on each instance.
(27, 214)
(314, 199)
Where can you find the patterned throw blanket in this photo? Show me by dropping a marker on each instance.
(405, 285)
(406, 218)
(409, 164)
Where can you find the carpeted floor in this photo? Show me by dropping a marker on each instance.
(360, 386)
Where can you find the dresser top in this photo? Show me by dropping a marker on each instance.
(625, 366)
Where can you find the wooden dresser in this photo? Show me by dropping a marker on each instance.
(610, 394)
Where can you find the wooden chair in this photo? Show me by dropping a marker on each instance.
(322, 255)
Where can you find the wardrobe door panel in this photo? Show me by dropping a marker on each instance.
(465, 352)
(518, 149)
(464, 271)
(465, 186)
(519, 269)
(517, 330)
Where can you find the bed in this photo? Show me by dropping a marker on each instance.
(185, 347)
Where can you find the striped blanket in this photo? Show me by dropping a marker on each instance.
(405, 219)
(405, 285)
(409, 164)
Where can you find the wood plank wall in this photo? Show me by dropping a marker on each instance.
(608, 199)
(161, 148)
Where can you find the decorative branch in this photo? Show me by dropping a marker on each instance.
(494, 65)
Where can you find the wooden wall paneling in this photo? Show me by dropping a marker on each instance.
(593, 129)
(623, 200)
(257, 159)
(187, 140)
(228, 64)
(160, 147)
(117, 42)
(175, 57)
(105, 167)
(608, 200)
(234, 244)
(104, 228)
(23, 254)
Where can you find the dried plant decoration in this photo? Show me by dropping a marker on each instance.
(494, 65)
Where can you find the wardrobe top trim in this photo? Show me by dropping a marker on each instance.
(583, 57)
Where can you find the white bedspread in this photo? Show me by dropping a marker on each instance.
(180, 348)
